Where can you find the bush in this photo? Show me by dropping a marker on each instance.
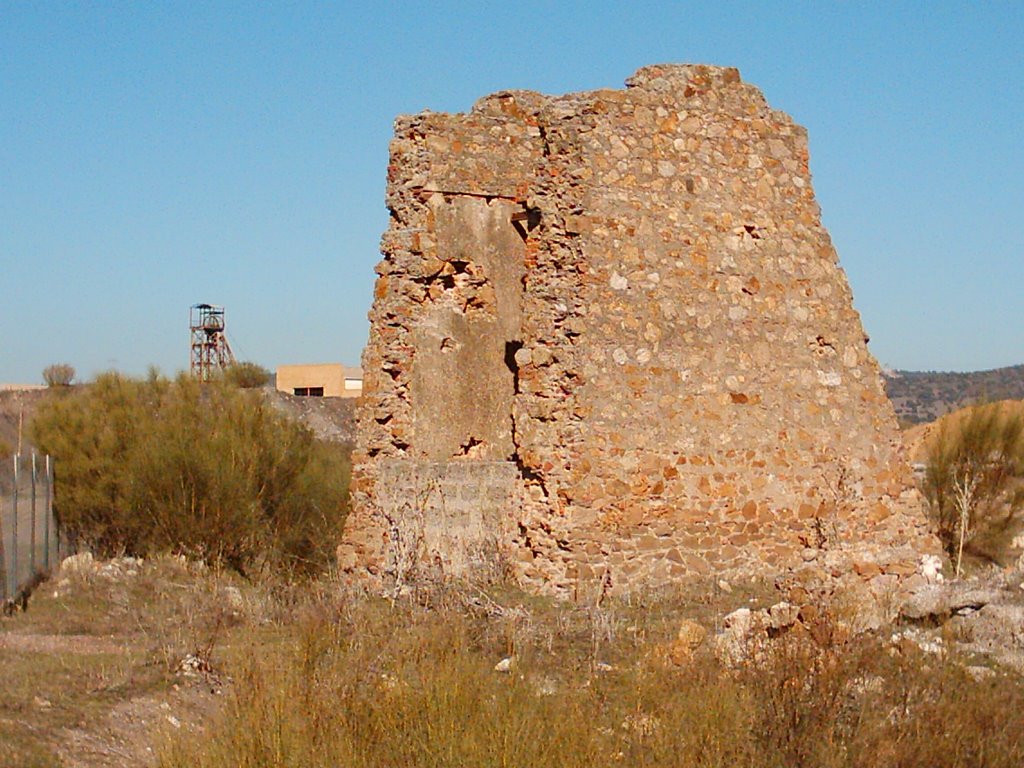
(972, 480)
(209, 470)
(58, 375)
(247, 375)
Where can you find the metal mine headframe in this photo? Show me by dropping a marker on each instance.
(210, 348)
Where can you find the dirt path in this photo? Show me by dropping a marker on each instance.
(73, 644)
(132, 732)
(106, 733)
(93, 673)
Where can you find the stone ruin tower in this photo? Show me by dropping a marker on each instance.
(611, 346)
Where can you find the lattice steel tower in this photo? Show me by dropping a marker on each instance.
(210, 348)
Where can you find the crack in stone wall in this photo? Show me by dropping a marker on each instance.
(628, 298)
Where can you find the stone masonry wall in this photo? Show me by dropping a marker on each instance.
(619, 312)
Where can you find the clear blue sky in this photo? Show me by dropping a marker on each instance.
(155, 155)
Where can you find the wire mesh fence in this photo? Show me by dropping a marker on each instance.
(30, 542)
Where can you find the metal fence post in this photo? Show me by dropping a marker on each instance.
(4, 592)
(32, 523)
(14, 531)
(47, 514)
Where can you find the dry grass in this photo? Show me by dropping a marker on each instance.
(364, 683)
(315, 677)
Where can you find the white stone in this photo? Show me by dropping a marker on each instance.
(618, 282)
(505, 665)
(233, 598)
(931, 568)
(79, 564)
(666, 168)
(737, 312)
(829, 379)
(740, 619)
(782, 615)
(980, 673)
(926, 643)
(620, 356)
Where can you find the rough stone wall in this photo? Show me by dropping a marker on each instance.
(620, 313)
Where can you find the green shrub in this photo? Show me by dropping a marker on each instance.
(210, 470)
(247, 375)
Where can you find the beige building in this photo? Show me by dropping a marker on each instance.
(320, 380)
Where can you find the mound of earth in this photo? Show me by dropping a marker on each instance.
(918, 439)
(332, 419)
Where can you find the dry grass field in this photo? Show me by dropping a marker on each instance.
(170, 664)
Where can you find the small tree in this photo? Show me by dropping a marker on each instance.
(972, 481)
(247, 375)
(58, 375)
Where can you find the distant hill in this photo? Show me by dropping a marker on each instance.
(922, 396)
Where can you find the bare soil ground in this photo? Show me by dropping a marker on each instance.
(111, 658)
